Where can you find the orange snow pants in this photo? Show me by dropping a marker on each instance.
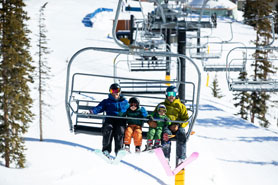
(134, 131)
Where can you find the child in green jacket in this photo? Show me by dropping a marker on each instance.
(156, 127)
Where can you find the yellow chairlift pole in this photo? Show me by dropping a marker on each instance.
(179, 178)
(207, 80)
(208, 49)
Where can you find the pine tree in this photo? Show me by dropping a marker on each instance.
(43, 69)
(15, 75)
(215, 88)
(262, 67)
(243, 99)
(276, 18)
(250, 12)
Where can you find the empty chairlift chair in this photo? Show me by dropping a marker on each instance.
(249, 84)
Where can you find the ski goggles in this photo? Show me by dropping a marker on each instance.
(162, 110)
(115, 90)
(174, 94)
(133, 105)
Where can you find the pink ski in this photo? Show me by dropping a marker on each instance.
(191, 158)
(159, 153)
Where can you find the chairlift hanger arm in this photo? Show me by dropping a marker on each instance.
(161, 11)
(202, 11)
(116, 23)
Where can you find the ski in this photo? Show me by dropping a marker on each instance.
(160, 155)
(102, 156)
(181, 166)
(111, 160)
(119, 157)
(151, 149)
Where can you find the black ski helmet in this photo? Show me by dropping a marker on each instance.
(171, 89)
(134, 100)
(115, 86)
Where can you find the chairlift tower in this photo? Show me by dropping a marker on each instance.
(173, 20)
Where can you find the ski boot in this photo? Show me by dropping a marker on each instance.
(127, 148)
(106, 154)
(137, 149)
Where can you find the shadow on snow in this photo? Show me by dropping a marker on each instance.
(91, 149)
(228, 122)
(244, 139)
(258, 139)
(207, 107)
(274, 163)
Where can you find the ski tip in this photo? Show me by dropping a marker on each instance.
(192, 132)
(195, 154)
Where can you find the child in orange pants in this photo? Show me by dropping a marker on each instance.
(134, 128)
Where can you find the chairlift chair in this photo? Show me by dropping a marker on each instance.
(235, 65)
(208, 50)
(249, 84)
(75, 104)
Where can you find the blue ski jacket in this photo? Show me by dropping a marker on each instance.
(111, 106)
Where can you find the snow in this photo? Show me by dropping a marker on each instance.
(232, 151)
(214, 4)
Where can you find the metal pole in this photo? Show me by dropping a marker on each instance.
(168, 49)
(198, 40)
(181, 50)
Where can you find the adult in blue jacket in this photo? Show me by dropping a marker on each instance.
(114, 105)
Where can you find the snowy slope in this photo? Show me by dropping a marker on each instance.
(232, 151)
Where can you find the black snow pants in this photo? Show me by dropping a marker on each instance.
(113, 128)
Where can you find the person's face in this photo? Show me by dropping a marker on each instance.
(171, 96)
(161, 112)
(115, 93)
(133, 106)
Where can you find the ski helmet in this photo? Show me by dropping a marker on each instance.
(161, 106)
(134, 100)
(115, 88)
(171, 91)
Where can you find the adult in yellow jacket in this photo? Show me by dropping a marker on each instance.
(176, 111)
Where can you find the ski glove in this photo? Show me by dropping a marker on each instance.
(152, 124)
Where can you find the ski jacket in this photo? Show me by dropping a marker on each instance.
(176, 111)
(111, 106)
(155, 115)
(138, 113)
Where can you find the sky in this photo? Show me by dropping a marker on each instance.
(231, 150)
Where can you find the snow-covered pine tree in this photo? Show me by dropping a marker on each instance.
(15, 75)
(258, 11)
(215, 88)
(242, 99)
(43, 68)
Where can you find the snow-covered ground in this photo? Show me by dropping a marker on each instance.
(232, 151)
